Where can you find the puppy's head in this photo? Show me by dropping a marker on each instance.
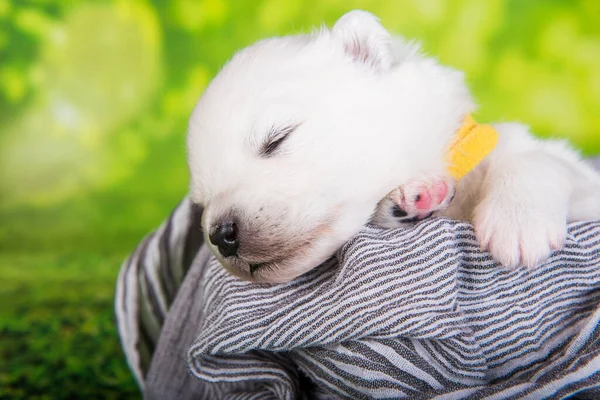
(285, 148)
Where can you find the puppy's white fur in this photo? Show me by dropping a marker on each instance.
(369, 113)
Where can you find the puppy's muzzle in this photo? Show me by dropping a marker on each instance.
(225, 237)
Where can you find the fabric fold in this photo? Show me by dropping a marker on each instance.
(404, 313)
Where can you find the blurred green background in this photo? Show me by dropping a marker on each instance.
(94, 100)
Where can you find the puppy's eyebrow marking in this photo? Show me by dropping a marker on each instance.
(275, 138)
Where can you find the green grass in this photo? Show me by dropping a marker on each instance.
(58, 338)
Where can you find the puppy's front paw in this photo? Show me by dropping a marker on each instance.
(518, 236)
(414, 201)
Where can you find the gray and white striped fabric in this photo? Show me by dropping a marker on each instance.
(149, 280)
(420, 312)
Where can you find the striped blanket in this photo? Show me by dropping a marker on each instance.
(420, 312)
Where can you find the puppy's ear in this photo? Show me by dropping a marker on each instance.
(364, 39)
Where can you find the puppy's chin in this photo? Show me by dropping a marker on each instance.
(279, 271)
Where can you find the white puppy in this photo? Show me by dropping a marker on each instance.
(298, 138)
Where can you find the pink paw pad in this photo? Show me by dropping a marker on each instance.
(419, 199)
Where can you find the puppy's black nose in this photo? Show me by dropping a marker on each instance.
(225, 237)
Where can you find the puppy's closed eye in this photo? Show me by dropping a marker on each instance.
(275, 139)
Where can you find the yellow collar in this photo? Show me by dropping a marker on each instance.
(472, 143)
